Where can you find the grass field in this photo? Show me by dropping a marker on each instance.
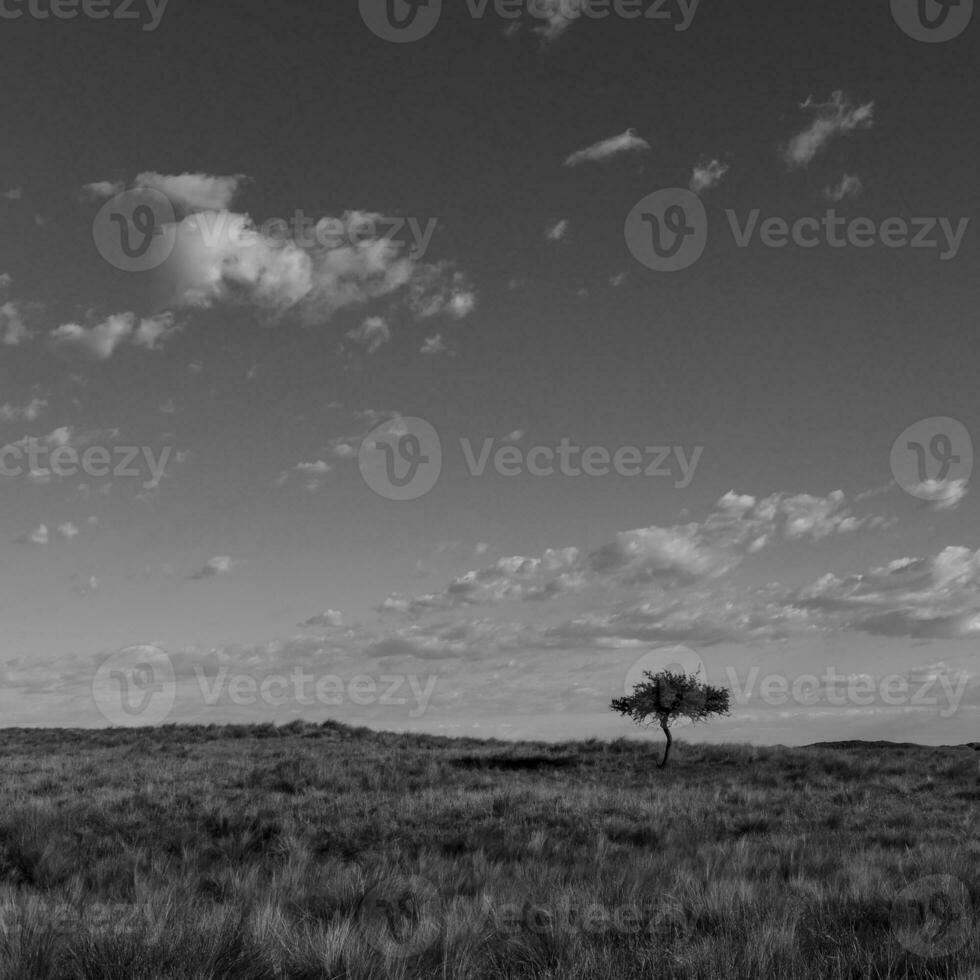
(308, 852)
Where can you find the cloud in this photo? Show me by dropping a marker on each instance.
(664, 558)
(38, 536)
(193, 192)
(556, 23)
(317, 468)
(936, 597)
(373, 333)
(331, 618)
(100, 342)
(214, 567)
(831, 119)
(439, 290)
(219, 258)
(103, 189)
(558, 231)
(707, 174)
(30, 412)
(850, 187)
(14, 329)
(607, 149)
(68, 531)
(14, 194)
(433, 345)
(941, 494)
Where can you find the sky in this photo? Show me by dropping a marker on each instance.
(308, 317)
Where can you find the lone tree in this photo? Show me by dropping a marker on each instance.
(664, 697)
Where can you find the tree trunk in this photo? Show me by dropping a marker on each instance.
(667, 748)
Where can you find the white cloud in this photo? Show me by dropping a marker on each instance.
(14, 329)
(219, 258)
(707, 174)
(936, 597)
(556, 23)
(373, 333)
(438, 290)
(849, 186)
(100, 342)
(433, 345)
(557, 232)
(103, 189)
(941, 494)
(215, 566)
(331, 618)
(665, 558)
(38, 536)
(607, 149)
(30, 412)
(193, 192)
(831, 119)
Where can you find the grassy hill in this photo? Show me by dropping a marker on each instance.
(315, 852)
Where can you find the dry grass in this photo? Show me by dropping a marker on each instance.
(254, 853)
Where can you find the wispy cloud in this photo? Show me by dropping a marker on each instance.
(830, 119)
(608, 149)
(707, 175)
